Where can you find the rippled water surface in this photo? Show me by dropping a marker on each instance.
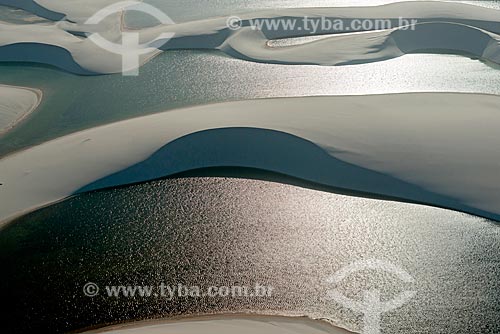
(220, 231)
(186, 10)
(183, 78)
(225, 232)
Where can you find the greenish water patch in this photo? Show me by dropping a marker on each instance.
(184, 78)
(19, 16)
(188, 10)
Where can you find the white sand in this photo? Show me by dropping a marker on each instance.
(443, 27)
(230, 324)
(16, 103)
(350, 48)
(445, 144)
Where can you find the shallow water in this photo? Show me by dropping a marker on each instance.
(18, 16)
(183, 78)
(225, 232)
(215, 231)
(187, 10)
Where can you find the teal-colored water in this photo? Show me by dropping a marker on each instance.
(213, 231)
(187, 10)
(18, 16)
(184, 78)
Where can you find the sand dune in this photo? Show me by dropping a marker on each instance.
(16, 103)
(436, 148)
(346, 49)
(442, 27)
(230, 324)
(33, 7)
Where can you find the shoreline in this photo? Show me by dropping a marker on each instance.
(271, 324)
(357, 46)
(251, 174)
(103, 156)
(210, 104)
(24, 115)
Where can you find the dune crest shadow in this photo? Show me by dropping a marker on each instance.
(274, 156)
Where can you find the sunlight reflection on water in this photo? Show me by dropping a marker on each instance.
(217, 231)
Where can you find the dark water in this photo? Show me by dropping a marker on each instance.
(225, 232)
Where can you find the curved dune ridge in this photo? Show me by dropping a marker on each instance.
(347, 49)
(443, 27)
(16, 103)
(228, 324)
(423, 147)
